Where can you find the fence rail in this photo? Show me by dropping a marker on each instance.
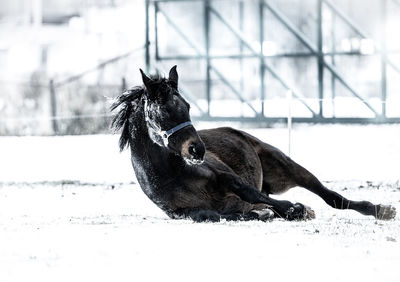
(55, 99)
(326, 63)
(53, 86)
(314, 50)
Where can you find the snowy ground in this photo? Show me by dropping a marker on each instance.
(70, 211)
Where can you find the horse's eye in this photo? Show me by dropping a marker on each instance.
(168, 106)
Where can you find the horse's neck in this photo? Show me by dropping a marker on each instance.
(154, 165)
(146, 154)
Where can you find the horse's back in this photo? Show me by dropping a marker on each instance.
(233, 148)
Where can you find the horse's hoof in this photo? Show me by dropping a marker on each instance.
(309, 213)
(386, 212)
(264, 214)
(299, 212)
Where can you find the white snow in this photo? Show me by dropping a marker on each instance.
(331, 152)
(96, 233)
(105, 229)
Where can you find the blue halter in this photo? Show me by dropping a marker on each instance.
(164, 134)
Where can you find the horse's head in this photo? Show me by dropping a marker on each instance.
(168, 120)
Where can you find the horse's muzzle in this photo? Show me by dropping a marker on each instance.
(193, 151)
(197, 150)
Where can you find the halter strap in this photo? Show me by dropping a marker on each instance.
(164, 134)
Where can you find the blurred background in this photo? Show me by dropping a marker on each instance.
(253, 61)
(69, 197)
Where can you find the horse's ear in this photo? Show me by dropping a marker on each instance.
(146, 80)
(148, 83)
(173, 76)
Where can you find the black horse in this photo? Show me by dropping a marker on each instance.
(212, 174)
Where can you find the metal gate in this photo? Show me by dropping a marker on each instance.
(325, 62)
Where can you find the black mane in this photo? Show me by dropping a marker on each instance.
(127, 102)
(121, 119)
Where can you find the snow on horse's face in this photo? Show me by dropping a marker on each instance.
(168, 120)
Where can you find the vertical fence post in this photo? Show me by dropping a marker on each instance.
(333, 78)
(241, 17)
(262, 67)
(320, 59)
(207, 41)
(123, 84)
(156, 31)
(289, 97)
(383, 57)
(53, 107)
(147, 51)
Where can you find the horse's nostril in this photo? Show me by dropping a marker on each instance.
(192, 149)
(196, 150)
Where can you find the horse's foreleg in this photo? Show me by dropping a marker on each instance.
(196, 214)
(248, 193)
(202, 215)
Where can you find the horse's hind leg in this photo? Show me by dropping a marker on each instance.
(310, 182)
(281, 173)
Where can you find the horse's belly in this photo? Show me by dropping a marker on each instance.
(234, 150)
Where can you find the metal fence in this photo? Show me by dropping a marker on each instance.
(326, 61)
(71, 105)
(74, 105)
